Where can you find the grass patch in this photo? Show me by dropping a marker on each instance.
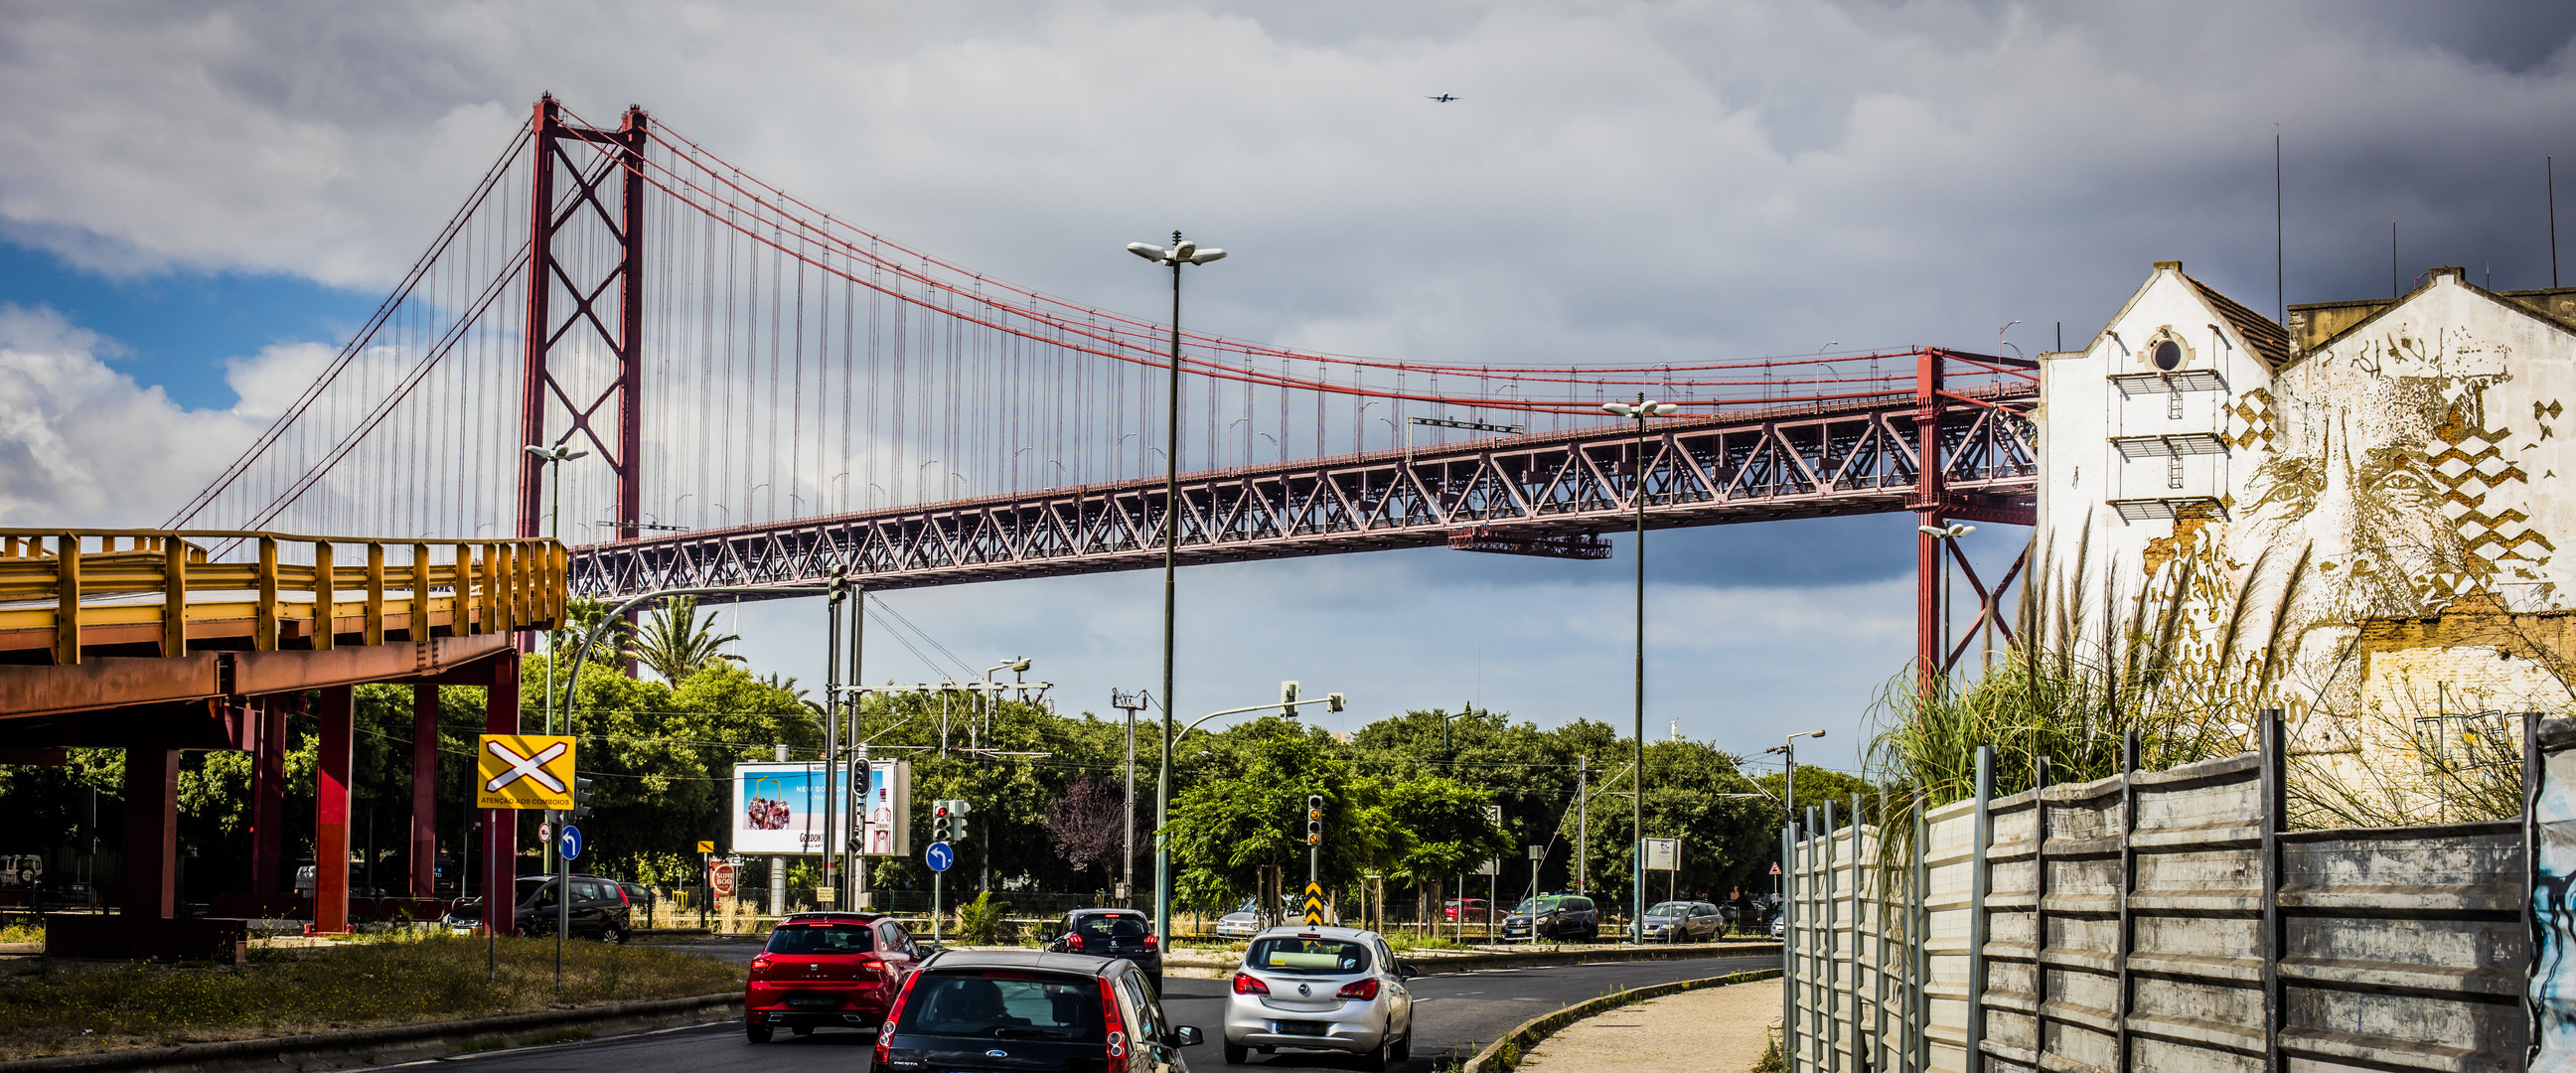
(1402, 942)
(22, 933)
(560, 1035)
(64, 1008)
(1772, 1061)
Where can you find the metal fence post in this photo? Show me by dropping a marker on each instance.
(2128, 884)
(1859, 914)
(1918, 929)
(2274, 808)
(1829, 1034)
(1981, 835)
(1789, 945)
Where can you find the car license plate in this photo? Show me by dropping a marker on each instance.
(1302, 1028)
(812, 1001)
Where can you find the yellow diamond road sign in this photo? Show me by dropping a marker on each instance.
(522, 771)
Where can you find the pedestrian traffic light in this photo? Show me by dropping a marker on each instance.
(580, 800)
(1314, 819)
(942, 825)
(957, 810)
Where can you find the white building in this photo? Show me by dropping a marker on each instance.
(2413, 450)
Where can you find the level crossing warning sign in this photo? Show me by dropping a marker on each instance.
(523, 771)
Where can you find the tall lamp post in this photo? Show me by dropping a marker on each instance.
(1948, 534)
(1183, 252)
(554, 457)
(1788, 749)
(1642, 410)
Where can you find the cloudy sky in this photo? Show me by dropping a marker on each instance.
(197, 201)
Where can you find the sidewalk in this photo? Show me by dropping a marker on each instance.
(1711, 1030)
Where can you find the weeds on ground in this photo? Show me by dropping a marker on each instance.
(22, 933)
(387, 979)
(1772, 1061)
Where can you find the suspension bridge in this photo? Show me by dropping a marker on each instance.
(697, 378)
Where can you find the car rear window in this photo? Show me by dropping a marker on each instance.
(1004, 1004)
(853, 938)
(1307, 956)
(1538, 905)
(1670, 909)
(1121, 926)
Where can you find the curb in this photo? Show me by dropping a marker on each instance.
(1457, 963)
(1506, 1052)
(374, 1046)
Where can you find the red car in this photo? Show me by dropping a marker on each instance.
(827, 970)
(1477, 910)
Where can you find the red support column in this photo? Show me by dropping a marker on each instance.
(501, 825)
(150, 880)
(534, 383)
(1928, 502)
(331, 768)
(268, 798)
(424, 791)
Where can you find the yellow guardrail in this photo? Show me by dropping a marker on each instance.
(121, 589)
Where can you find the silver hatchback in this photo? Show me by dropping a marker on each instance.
(1321, 988)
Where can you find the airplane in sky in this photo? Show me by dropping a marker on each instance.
(1443, 98)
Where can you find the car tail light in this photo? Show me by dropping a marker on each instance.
(1247, 984)
(1116, 1026)
(1153, 941)
(1363, 990)
(1073, 942)
(760, 964)
(894, 1012)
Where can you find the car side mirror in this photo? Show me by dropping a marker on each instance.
(1187, 1036)
(1405, 971)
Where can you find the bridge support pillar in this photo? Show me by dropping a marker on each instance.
(149, 883)
(268, 796)
(331, 775)
(424, 791)
(501, 825)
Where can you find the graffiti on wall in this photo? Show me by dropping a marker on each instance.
(2552, 989)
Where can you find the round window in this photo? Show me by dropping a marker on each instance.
(2167, 355)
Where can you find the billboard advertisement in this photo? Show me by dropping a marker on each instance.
(887, 827)
(779, 808)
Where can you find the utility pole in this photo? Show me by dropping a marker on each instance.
(1582, 822)
(1129, 703)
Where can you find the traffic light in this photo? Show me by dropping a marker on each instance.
(957, 810)
(1288, 699)
(580, 800)
(1333, 702)
(1314, 819)
(942, 825)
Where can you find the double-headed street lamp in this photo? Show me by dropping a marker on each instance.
(1183, 252)
(1642, 410)
(554, 458)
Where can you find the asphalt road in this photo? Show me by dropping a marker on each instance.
(1457, 1015)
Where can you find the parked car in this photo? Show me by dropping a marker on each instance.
(1779, 924)
(1683, 922)
(1116, 933)
(599, 909)
(1323, 988)
(827, 970)
(1559, 917)
(1243, 923)
(1477, 910)
(1030, 1010)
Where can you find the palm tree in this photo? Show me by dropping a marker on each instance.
(674, 644)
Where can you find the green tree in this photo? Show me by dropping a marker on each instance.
(675, 645)
(1224, 829)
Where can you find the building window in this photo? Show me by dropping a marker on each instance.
(2173, 472)
(2472, 740)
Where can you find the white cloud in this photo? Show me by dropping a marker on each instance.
(83, 444)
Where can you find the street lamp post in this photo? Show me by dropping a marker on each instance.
(1788, 750)
(1183, 252)
(1642, 410)
(554, 458)
(1950, 535)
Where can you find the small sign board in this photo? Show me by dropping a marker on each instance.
(720, 877)
(939, 856)
(569, 843)
(705, 847)
(1663, 854)
(523, 771)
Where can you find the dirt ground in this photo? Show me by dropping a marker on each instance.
(1711, 1030)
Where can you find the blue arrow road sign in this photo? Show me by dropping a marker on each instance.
(939, 856)
(569, 842)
